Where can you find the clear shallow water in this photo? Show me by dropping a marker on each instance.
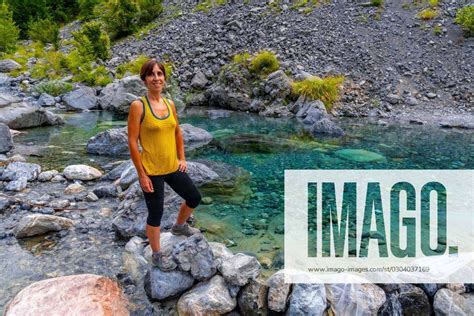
(254, 221)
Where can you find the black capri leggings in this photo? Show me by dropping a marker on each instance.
(181, 183)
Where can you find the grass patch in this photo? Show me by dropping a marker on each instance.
(325, 89)
(437, 30)
(465, 18)
(427, 14)
(207, 5)
(264, 63)
(53, 87)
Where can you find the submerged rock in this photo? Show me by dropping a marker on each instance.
(38, 224)
(359, 155)
(207, 298)
(82, 294)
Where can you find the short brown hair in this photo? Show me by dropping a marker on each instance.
(147, 68)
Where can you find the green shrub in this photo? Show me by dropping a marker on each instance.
(51, 65)
(325, 89)
(376, 3)
(121, 17)
(93, 76)
(92, 41)
(264, 63)
(8, 30)
(149, 10)
(44, 31)
(132, 66)
(465, 18)
(54, 87)
(86, 8)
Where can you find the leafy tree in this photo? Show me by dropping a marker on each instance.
(8, 30)
(121, 17)
(92, 41)
(44, 31)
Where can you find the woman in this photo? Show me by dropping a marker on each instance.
(153, 120)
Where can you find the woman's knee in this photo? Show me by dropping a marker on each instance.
(154, 221)
(194, 201)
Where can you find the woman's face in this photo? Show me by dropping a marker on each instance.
(156, 80)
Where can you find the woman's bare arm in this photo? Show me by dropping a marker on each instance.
(134, 118)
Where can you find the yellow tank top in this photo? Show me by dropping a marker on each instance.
(157, 138)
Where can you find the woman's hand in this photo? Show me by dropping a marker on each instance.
(146, 184)
(183, 167)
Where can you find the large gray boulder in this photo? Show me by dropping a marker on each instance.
(240, 269)
(133, 260)
(160, 285)
(46, 100)
(308, 299)
(132, 214)
(6, 141)
(210, 297)
(355, 299)
(194, 255)
(18, 169)
(199, 173)
(194, 137)
(7, 99)
(314, 117)
(252, 298)
(118, 96)
(278, 292)
(21, 115)
(114, 142)
(278, 85)
(414, 300)
(447, 302)
(7, 65)
(38, 224)
(81, 99)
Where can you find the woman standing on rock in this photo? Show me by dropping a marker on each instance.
(152, 119)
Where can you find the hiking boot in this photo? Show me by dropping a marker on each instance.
(162, 262)
(184, 229)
